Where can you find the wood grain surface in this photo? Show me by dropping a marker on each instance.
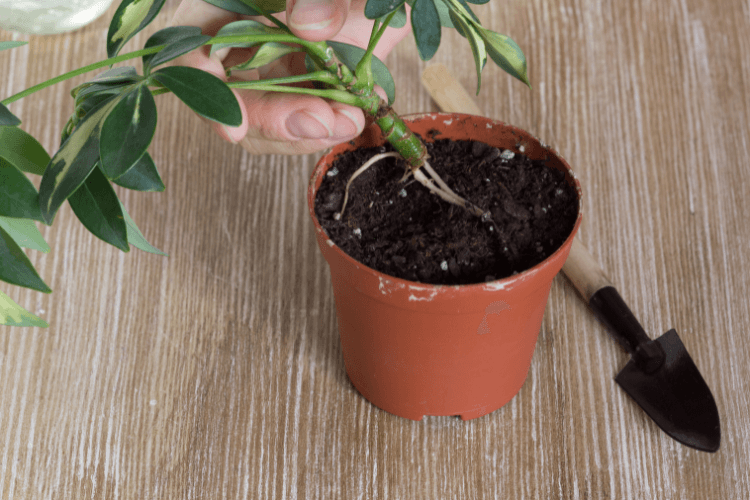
(217, 372)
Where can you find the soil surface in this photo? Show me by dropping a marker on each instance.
(401, 229)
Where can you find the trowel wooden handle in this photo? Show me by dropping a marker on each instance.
(583, 271)
(447, 92)
(452, 97)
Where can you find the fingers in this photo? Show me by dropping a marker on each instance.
(316, 20)
(290, 117)
(293, 124)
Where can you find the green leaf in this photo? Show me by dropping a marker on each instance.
(73, 162)
(97, 207)
(142, 176)
(136, 238)
(478, 2)
(22, 150)
(476, 42)
(425, 23)
(245, 7)
(506, 53)
(204, 93)
(11, 44)
(11, 314)
(176, 49)
(127, 131)
(267, 53)
(246, 27)
(18, 196)
(375, 9)
(399, 20)
(130, 18)
(351, 55)
(16, 268)
(8, 119)
(25, 233)
(168, 36)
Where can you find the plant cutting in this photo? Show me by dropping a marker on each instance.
(105, 140)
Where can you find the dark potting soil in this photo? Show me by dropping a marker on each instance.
(401, 229)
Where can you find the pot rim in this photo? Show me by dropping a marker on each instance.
(499, 284)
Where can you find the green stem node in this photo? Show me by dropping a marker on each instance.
(403, 140)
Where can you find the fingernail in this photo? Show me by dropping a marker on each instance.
(308, 15)
(229, 134)
(307, 125)
(347, 127)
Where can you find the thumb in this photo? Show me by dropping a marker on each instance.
(316, 20)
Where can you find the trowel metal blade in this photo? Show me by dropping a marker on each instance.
(675, 396)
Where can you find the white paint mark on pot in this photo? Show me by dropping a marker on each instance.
(496, 286)
(330, 243)
(387, 286)
(489, 125)
(418, 291)
(447, 122)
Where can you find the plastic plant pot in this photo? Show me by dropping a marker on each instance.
(415, 349)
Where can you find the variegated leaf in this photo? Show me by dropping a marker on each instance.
(130, 18)
(114, 76)
(127, 131)
(22, 150)
(11, 314)
(25, 233)
(476, 42)
(15, 266)
(267, 53)
(73, 162)
(96, 205)
(246, 27)
(506, 53)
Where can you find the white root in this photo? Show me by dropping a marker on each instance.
(361, 169)
(441, 189)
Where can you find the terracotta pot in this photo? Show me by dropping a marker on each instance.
(416, 349)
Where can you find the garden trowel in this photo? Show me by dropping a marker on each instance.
(660, 376)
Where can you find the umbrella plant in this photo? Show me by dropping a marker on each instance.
(106, 138)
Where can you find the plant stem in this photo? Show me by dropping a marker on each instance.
(80, 71)
(336, 95)
(316, 76)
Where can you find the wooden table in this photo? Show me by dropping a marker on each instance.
(217, 372)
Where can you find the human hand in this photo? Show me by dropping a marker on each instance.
(287, 123)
